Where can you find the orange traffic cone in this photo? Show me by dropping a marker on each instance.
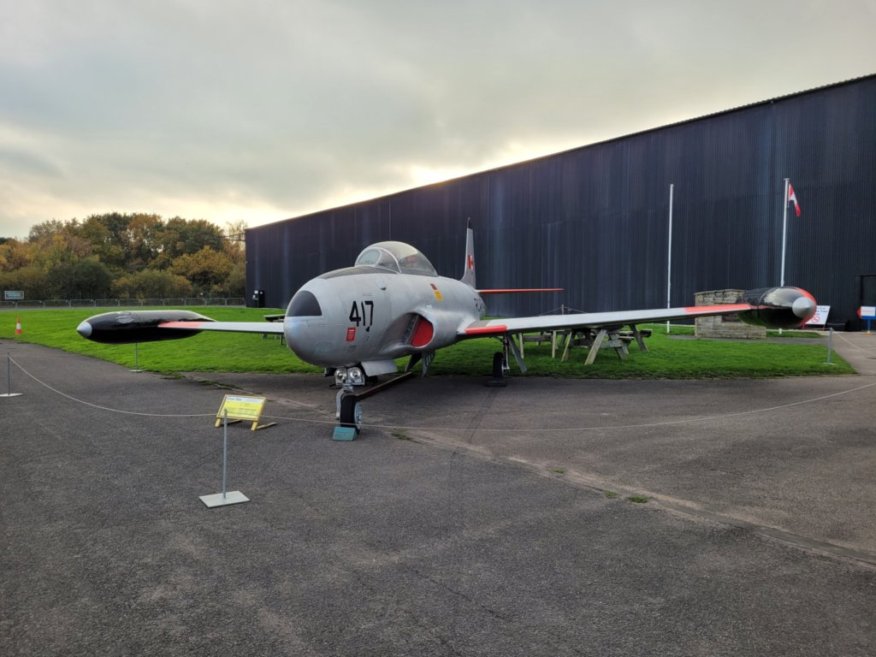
(17, 326)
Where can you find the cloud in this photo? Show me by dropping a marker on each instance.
(202, 109)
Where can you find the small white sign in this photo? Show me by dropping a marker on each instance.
(867, 312)
(13, 295)
(820, 316)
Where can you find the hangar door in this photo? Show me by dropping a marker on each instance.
(866, 293)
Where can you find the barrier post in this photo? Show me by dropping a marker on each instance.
(829, 345)
(136, 358)
(9, 392)
(224, 453)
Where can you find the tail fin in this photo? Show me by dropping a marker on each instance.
(468, 276)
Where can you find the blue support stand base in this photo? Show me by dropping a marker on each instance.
(344, 433)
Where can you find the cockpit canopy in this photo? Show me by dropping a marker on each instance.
(396, 256)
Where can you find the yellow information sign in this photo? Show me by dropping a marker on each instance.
(239, 408)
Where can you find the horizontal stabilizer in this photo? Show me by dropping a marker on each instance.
(518, 290)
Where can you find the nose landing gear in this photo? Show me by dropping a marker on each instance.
(349, 409)
(349, 416)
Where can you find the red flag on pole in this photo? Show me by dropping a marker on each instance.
(792, 198)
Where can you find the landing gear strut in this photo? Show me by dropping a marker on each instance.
(501, 360)
(349, 408)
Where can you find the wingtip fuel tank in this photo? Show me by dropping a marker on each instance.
(778, 307)
(127, 327)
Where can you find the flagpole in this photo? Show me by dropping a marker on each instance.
(669, 256)
(784, 231)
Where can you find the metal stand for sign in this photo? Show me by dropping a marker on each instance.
(9, 392)
(225, 497)
(829, 346)
(868, 314)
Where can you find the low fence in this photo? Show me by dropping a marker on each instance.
(109, 303)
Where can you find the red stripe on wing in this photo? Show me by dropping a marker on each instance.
(718, 308)
(193, 326)
(486, 330)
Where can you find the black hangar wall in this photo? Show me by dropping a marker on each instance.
(594, 220)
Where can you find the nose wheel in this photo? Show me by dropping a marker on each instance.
(348, 414)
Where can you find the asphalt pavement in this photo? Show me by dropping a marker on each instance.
(549, 517)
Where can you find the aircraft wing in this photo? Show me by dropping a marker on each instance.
(594, 320)
(232, 327)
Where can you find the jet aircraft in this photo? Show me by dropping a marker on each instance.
(392, 303)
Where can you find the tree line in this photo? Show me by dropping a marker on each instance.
(129, 256)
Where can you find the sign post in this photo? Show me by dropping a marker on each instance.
(225, 497)
(234, 408)
(868, 314)
(830, 346)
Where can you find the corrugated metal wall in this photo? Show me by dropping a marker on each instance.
(594, 220)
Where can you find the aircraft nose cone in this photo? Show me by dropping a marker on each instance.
(305, 337)
(84, 329)
(804, 307)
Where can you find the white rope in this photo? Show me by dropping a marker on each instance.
(390, 427)
(103, 408)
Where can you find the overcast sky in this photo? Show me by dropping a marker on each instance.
(264, 110)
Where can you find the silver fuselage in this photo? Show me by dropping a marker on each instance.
(368, 315)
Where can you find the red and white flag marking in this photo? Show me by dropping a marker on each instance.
(792, 198)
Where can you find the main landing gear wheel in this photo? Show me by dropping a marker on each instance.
(498, 378)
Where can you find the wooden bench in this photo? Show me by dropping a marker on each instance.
(593, 339)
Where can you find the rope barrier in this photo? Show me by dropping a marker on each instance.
(104, 408)
(481, 429)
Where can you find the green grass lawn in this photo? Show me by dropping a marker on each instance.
(672, 356)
